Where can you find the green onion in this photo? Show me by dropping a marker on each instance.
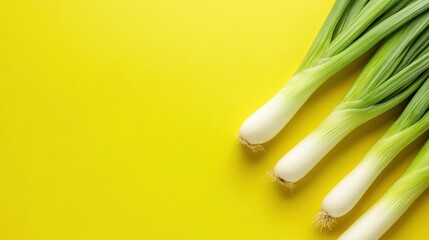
(412, 123)
(381, 216)
(351, 29)
(392, 74)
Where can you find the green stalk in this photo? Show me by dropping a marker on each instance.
(326, 57)
(382, 215)
(412, 123)
(378, 88)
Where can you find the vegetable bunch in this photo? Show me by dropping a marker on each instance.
(378, 219)
(398, 70)
(351, 29)
(412, 123)
(392, 74)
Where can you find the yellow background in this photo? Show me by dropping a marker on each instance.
(118, 121)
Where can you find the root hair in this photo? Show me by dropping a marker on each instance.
(278, 179)
(253, 147)
(324, 220)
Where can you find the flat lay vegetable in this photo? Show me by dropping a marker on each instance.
(350, 30)
(412, 123)
(395, 72)
(382, 215)
(398, 31)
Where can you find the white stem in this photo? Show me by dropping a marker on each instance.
(304, 156)
(346, 194)
(372, 225)
(341, 199)
(269, 120)
(381, 216)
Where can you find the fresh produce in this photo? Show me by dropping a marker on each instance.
(351, 29)
(412, 123)
(395, 72)
(381, 216)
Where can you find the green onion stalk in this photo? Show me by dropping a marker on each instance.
(395, 72)
(350, 30)
(412, 123)
(383, 214)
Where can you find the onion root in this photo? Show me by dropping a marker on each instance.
(325, 220)
(253, 147)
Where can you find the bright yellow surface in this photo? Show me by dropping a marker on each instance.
(118, 121)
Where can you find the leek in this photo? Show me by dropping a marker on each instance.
(351, 29)
(382, 215)
(391, 75)
(412, 123)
